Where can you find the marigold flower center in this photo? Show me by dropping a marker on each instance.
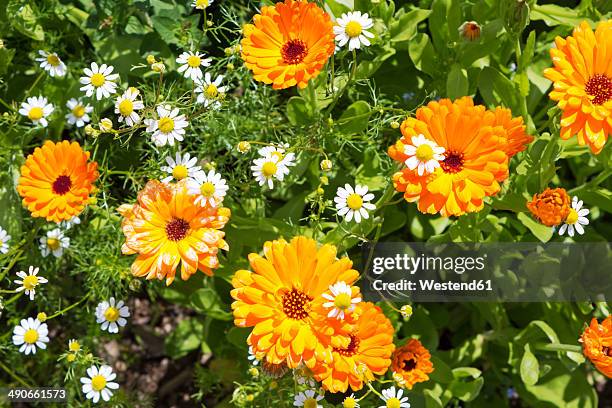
(453, 163)
(606, 351)
(98, 382)
(180, 172)
(342, 301)
(166, 125)
(409, 364)
(212, 91)
(600, 88)
(354, 201)
(35, 113)
(424, 152)
(97, 80)
(207, 189)
(30, 336)
(111, 314)
(194, 61)
(351, 349)
(353, 29)
(62, 185)
(310, 403)
(53, 60)
(393, 403)
(30, 282)
(294, 51)
(78, 111)
(126, 107)
(53, 243)
(177, 229)
(572, 217)
(269, 169)
(295, 304)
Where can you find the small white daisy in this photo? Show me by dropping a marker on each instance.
(341, 300)
(209, 187)
(30, 334)
(394, 399)
(252, 357)
(350, 402)
(70, 223)
(191, 63)
(29, 281)
(50, 62)
(210, 91)
(4, 240)
(354, 203)
(54, 243)
(99, 383)
(37, 109)
(183, 167)
(99, 80)
(127, 105)
(424, 155)
(308, 399)
(201, 4)
(352, 28)
(167, 127)
(112, 315)
(266, 169)
(575, 219)
(79, 112)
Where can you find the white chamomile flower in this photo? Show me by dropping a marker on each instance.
(210, 91)
(50, 62)
(575, 219)
(127, 105)
(201, 4)
(74, 346)
(99, 383)
(308, 399)
(350, 402)
(341, 300)
(394, 399)
(112, 315)
(183, 167)
(424, 155)
(4, 240)
(354, 203)
(352, 28)
(70, 223)
(99, 80)
(275, 166)
(54, 243)
(30, 334)
(169, 126)
(29, 281)
(209, 188)
(252, 357)
(79, 112)
(191, 63)
(37, 109)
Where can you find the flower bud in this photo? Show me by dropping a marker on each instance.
(406, 311)
(106, 125)
(89, 130)
(516, 16)
(470, 30)
(159, 67)
(326, 165)
(70, 358)
(230, 67)
(135, 285)
(42, 317)
(320, 191)
(150, 59)
(395, 124)
(244, 146)
(253, 372)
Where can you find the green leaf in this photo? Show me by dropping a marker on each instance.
(541, 232)
(442, 372)
(293, 209)
(554, 15)
(405, 28)
(355, 118)
(185, 338)
(422, 54)
(530, 368)
(457, 82)
(207, 300)
(23, 18)
(432, 400)
(298, 111)
(599, 197)
(6, 56)
(466, 391)
(496, 89)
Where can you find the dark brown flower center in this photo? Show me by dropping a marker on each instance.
(62, 185)
(600, 88)
(453, 162)
(409, 365)
(177, 229)
(294, 304)
(606, 350)
(351, 349)
(294, 51)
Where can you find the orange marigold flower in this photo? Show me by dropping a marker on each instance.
(477, 143)
(281, 300)
(288, 44)
(582, 84)
(551, 207)
(57, 180)
(597, 345)
(167, 228)
(413, 363)
(367, 354)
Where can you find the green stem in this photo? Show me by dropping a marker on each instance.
(601, 177)
(558, 347)
(8, 291)
(72, 306)
(14, 298)
(15, 376)
(348, 82)
(36, 81)
(519, 71)
(9, 107)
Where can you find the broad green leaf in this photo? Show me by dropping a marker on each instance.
(405, 28)
(185, 338)
(554, 15)
(497, 90)
(24, 19)
(422, 54)
(466, 391)
(541, 232)
(207, 300)
(457, 82)
(530, 368)
(442, 372)
(466, 372)
(298, 111)
(355, 118)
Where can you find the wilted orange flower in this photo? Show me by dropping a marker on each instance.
(57, 180)
(550, 207)
(597, 344)
(166, 228)
(278, 298)
(288, 44)
(582, 83)
(477, 143)
(412, 362)
(367, 354)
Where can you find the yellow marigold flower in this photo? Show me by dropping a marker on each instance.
(582, 84)
(597, 344)
(167, 228)
(281, 299)
(288, 43)
(550, 207)
(56, 181)
(412, 362)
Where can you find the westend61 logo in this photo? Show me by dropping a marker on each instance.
(510, 272)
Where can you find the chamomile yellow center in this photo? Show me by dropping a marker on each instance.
(30, 336)
(572, 217)
(277, 155)
(424, 152)
(342, 301)
(74, 346)
(201, 4)
(269, 169)
(126, 107)
(310, 403)
(78, 111)
(393, 403)
(52, 59)
(36, 113)
(354, 201)
(194, 61)
(30, 282)
(349, 402)
(180, 172)
(97, 80)
(207, 189)
(166, 125)
(353, 29)
(53, 243)
(212, 91)
(111, 314)
(98, 382)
